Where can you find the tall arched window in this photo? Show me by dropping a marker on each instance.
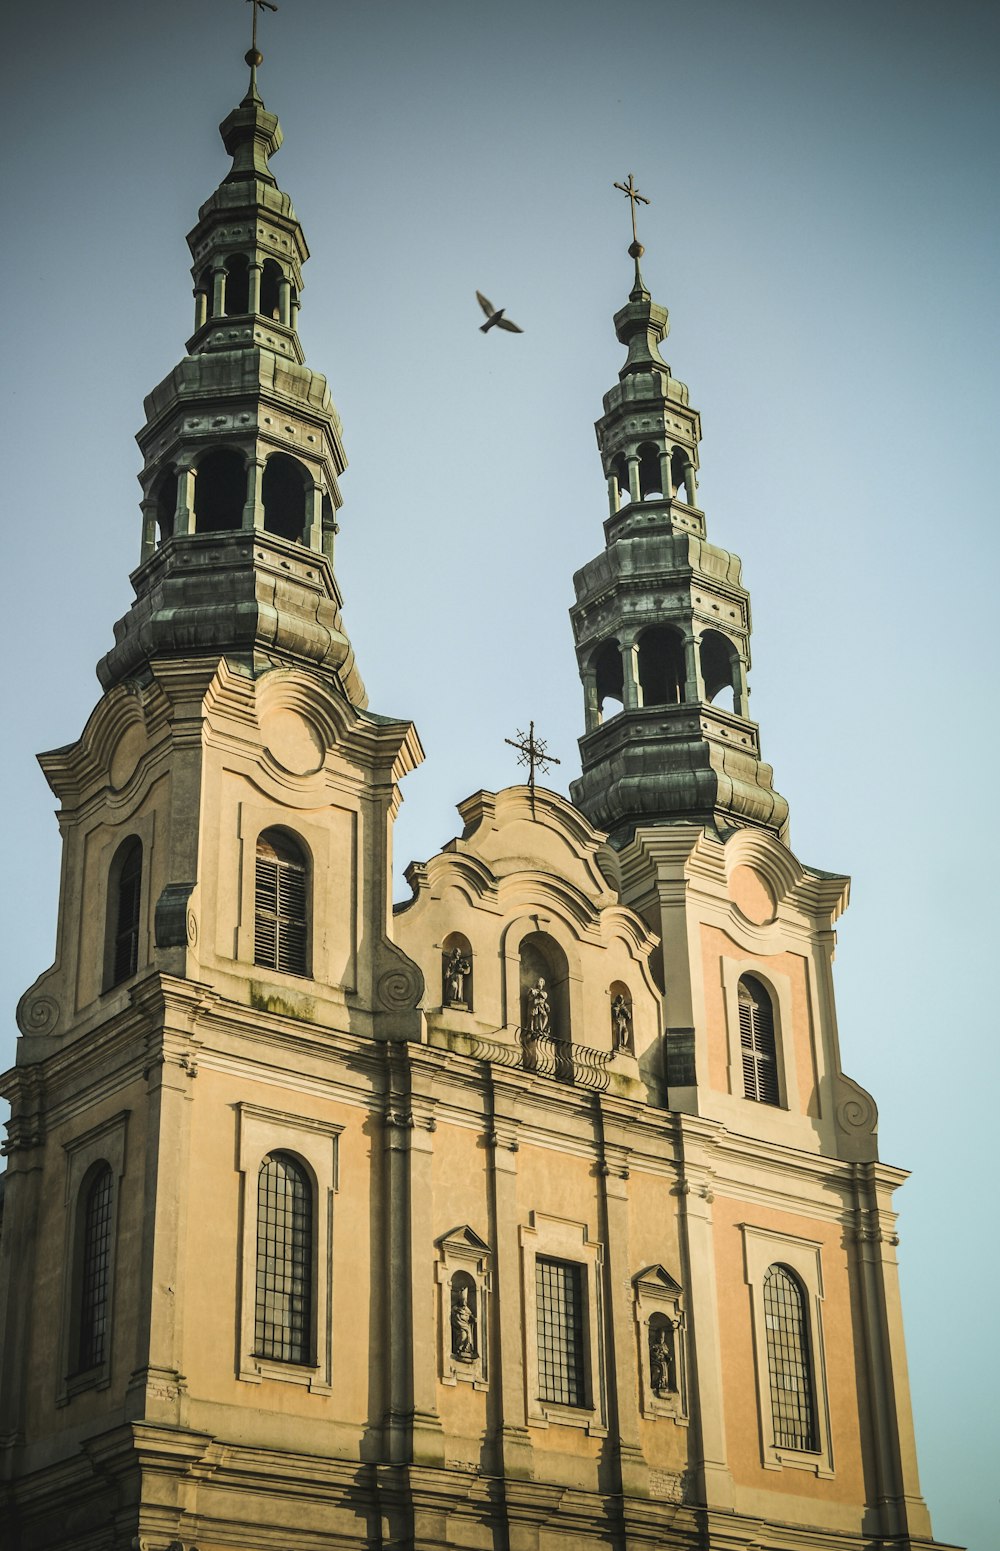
(284, 1308)
(124, 904)
(283, 492)
(94, 1263)
(757, 1045)
(281, 936)
(789, 1367)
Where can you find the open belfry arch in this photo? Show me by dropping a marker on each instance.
(534, 1213)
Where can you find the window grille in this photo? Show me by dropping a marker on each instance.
(280, 930)
(788, 1364)
(95, 1265)
(559, 1306)
(125, 958)
(760, 1059)
(283, 1314)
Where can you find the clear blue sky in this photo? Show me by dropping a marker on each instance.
(824, 232)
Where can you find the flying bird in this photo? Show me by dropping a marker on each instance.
(495, 315)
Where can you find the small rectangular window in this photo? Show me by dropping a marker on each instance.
(559, 1304)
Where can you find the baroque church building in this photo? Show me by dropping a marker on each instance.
(532, 1214)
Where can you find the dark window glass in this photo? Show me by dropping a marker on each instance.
(760, 1061)
(283, 1317)
(280, 932)
(559, 1304)
(95, 1266)
(788, 1365)
(127, 871)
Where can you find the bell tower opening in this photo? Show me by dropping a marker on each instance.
(661, 666)
(284, 496)
(219, 491)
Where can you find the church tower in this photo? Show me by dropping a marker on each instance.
(536, 1212)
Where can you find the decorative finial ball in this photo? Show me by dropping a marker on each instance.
(253, 57)
(635, 250)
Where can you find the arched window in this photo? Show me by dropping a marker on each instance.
(757, 1046)
(679, 461)
(281, 902)
(283, 491)
(610, 678)
(237, 285)
(661, 666)
(220, 491)
(284, 1308)
(94, 1267)
(124, 905)
(789, 1367)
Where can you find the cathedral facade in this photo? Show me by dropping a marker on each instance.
(534, 1213)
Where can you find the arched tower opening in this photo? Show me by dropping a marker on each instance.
(679, 461)
(237, 285)
(165, 502)
(650, 476)
(270, 282)
(220, 489)
(610, 679)
(719, 669)
(283, 491)
(661, 666)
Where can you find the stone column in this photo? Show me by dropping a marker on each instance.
(708, 1455)
(219, 291)
(148, 508)
(694, 684)
(619, 1320)
(285, 300)
(295, 312)
(631, 691)
(633, 478)
(741, 690)
(690, 484)
(253, 510)
(614, 494)
(200, 308)
(507, 1403)
(184, 519)
(313, 531)
(591, 710)
(666, 483)
(256, 270)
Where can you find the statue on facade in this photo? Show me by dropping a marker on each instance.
(539, 1018)
(463, 1327)
(661, 1360)
(456, 970)
(621, 1022)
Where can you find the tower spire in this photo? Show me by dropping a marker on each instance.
(662, 621)
(253, 55)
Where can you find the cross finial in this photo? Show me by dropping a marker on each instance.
(253, 56)
(631, 191)
(531, 751)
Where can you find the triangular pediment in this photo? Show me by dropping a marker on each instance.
(465, 1238)
(656, 1279)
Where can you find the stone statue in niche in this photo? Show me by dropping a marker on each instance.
(539, 1015)
(661, 1359)
(456, 970)
(463, 1325)
(621, 1022)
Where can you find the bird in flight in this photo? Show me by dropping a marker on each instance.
(495, 315)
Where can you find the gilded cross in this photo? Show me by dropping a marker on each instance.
(258, 5)
(531, 751)
(630, 190)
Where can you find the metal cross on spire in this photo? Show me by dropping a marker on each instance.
(254, 57)
(531, 751)
(631, 192)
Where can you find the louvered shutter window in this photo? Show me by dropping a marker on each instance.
(789, 1367)
(757, 1046)
(281, 905)
(126, 874)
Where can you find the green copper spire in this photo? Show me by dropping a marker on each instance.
(662, 621)
(242, 448)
